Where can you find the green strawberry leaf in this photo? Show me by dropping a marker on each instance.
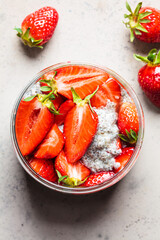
(55, 73)
(133, 134)
(26, 34)
(88, 98)
(67, 181)
(60, 177)
(76, 97)
(136, 12)
(131, 137)
(145, 21)
(152, 55)
(123, 137)
(139, 27)
(127, 16)
(131, 35)
(157, 60)
(128, 7)
(52, 97)
(29, 98)
(144, 14)
(137, 32)
(140, 58)
(45, 89)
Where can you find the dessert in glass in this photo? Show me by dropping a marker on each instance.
(77, 128)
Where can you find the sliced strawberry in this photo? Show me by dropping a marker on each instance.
(108, 90)
(119, 145)
(58, 101)
(76, 170)
(83, 79)
(124, 157)
(80, 127)
(51, 145)
(33, 121)
(63, 110)
(128, 118)
(44, 168)
(97, 178)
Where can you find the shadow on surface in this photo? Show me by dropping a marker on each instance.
(52, 206)
(32, 52)
(143, 48)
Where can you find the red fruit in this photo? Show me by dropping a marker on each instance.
(119, 145)
(44, 168)
(51, 145)
(38, 27)
(144, 23)
(97, 178)
(124, 157)
(108, 90)
(33, 121)
(63, 110)
(76, 170)
(79, 128)
(83, 79)
(149, 76)
(57, 102)
(128, 118)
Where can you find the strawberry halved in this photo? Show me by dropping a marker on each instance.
(97, 178)
(51, 145)
(79, 129)
(63, 110)
(124, 157)
(109, 90)
(44, 168)
(73, 170)
(33, 121)
(83, 79)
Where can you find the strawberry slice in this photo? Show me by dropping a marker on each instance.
(108, 90)
(83, 79)
(33, 121)
(51, 145)
(57, 101)
(79, 127)
(44, 168)
(97, 178)
(124, 157)
(72, 170)
(63, 110)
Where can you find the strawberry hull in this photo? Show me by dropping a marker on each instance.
(79, 169)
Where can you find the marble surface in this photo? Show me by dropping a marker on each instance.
(88, 31)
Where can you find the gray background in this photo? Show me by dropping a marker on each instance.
(88, 31)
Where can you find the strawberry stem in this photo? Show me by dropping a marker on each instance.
(135, 19)
(152, 59)
(79, 101)
(130, 137)
(27, 39)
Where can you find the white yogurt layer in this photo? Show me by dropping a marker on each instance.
(33, 91)
(101, 154)
(125, 96)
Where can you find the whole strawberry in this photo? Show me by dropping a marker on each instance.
(38, 27)
(144, 23)
(149, 76)
(128, 122)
